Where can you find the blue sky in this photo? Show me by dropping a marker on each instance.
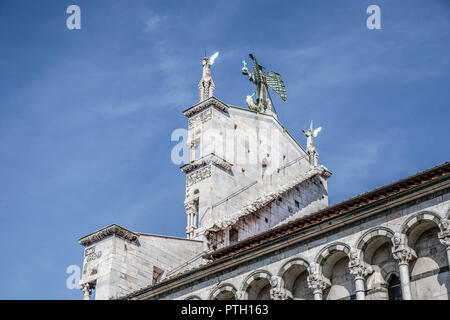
(86, 115)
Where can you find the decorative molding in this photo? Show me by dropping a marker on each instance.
(201, 118)
(444, 234)
(90, 254)
(314, 280)
(277, 291)
(206, 160)
(101, 234)
(264, 200)
(213, 101)
(198, 175)
(357, 267)
(400, 251)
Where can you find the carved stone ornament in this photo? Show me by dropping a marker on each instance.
(357, 267)
(314, 280)
(198, 175)
(444, 235)
(201, 118)
(87, 289)
(401, 251)
(278, 292)
(113, 229)
(90, 254)
(404, 254)
(213, 101)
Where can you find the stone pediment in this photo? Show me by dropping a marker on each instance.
(213, 101)
(113, 229)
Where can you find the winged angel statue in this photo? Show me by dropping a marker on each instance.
(311, 133)
(263, 81)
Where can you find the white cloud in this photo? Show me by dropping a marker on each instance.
(152, 23)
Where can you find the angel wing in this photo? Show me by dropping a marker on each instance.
(275, 82)
(213, 57)
(316, 131)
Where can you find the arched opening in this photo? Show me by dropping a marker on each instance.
(225, 295)
(394, 288)
(430, 278)
(295, 280)
(259, 289)
(377, 253)
(335, 271)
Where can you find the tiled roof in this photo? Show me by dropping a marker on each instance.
(328, 213)
(335, 210)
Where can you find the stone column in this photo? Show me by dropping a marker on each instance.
(403, 254)
(315, 281)
(360, 271)
(191, 212)
(444, 237)
(87, 290)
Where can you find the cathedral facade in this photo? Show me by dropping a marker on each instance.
(259, 225)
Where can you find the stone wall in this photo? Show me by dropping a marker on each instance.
(329, 265)
(263, 157)
(307, 197)
(115, 267)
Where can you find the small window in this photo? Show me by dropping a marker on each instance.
(233, 235)
(394, 288)
(297, 204)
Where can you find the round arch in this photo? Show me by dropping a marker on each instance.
(291, 263)
(257, 275)
(193, 297)
(329, 250)
(409, 223)
(369, 235)
(224, 288)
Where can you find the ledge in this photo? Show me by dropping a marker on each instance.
(213, 101)
(203, 161)
(101, 234)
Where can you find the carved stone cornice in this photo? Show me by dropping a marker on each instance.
(212, 101)
(203, 161)
(113, 229)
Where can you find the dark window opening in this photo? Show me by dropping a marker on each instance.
(394, 288)
(233, 235)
